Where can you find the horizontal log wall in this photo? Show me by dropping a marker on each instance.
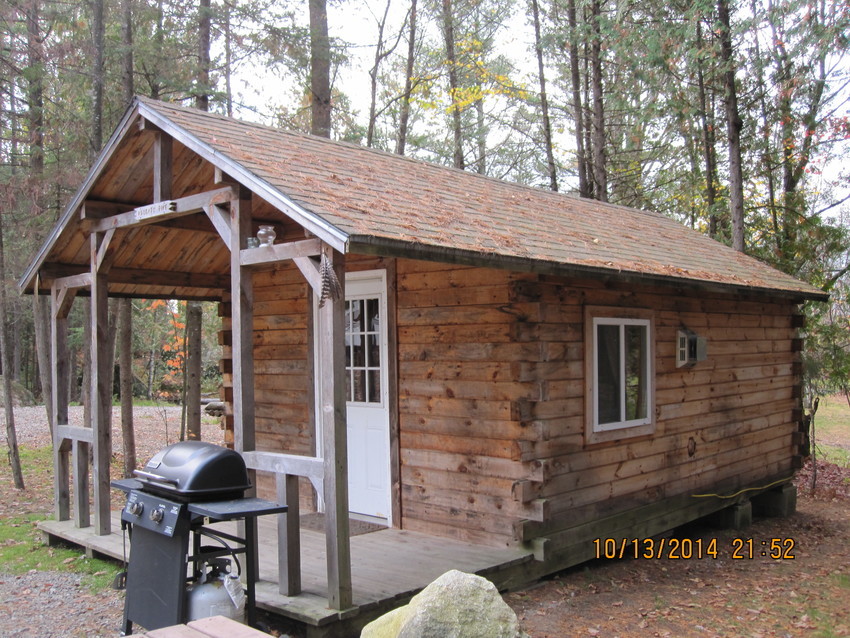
(490, 397)
(736, 410)
(467, 368)
(283, 367)
(491, 382)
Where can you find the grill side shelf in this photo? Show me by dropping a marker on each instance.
(236, 508)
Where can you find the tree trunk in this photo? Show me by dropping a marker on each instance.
(8, 398)
(380, 54)
(15, 327)
(192, 360)
(320, 69)
(125, 372)
(584, 188)
(451, 58)
(125, 307)
(228, 62)
(151, 371)
(734, 124)
(544, 100)
(97, 78)
(202, 80)
(481, 138)
(404, 116)
(193, 370)
(35, 97)
(708, 142)
(159, 46)
(128, 88)
(41, 317)
(600, 170)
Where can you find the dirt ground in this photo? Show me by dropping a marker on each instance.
(806, 595)
(759, 597)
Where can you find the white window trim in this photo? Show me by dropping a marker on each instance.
(621, 322)
(601, 315)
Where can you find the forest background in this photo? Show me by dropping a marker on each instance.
(732, 117)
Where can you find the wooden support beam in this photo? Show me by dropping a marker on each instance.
(64, 300)
(80, 463)
(242, 327)
(100, 395)
(163, 166)
(332, 416)
(307, 466)
(75, 433)
(220, 219)
(106, 252)
(288, 536)
(141, 276)
(220, 177)
(96, 209)
(280, 252)
(310, 269)
(74, 282)
(166, 209)
(242, 292)
(169, 278)
(59, 400)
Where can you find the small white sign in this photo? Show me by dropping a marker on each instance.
(154, 210)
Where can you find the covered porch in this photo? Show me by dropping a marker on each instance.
(388, 566)
(161, 215)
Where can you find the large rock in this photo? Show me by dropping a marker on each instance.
(456, 605)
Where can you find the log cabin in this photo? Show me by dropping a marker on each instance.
(493, 375)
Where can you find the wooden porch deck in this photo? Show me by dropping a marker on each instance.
(388, 567)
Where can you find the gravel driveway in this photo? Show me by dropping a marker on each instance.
(155, 427)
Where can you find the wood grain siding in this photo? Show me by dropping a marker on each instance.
(283, 364)
(283, 371)
(468, 368)
(491, 382)
(738, 406)
(490, 402)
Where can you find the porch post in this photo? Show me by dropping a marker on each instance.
(242, 327)
(331, 344)
(242, 300)
(101, 391)
(60, 304)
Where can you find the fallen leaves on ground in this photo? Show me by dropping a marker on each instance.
(761, 597)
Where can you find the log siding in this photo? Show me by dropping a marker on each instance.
(491, 438)
(492, 377)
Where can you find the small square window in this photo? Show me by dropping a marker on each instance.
(619, 367)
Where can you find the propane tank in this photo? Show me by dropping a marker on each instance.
(216, 593)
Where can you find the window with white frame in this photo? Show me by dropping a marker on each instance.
(619, 368)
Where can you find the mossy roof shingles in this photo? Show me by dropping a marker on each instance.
(376, 195)
(364, 197)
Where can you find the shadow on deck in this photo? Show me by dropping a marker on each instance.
(388, 567)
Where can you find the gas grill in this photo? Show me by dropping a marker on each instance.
(181, 490)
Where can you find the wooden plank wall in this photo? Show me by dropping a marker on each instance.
(739, 406)
(491, 412)
(491, 418)
(282, 370)
(468, 366)
(283, 367)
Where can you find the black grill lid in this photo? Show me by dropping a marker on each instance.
(196, 470)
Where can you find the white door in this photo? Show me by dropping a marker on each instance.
(366, 391)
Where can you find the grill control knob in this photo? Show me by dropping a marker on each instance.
(135, 508)
(157, 515)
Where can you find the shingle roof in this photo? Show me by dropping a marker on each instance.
(364, 200)
(372, 195)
